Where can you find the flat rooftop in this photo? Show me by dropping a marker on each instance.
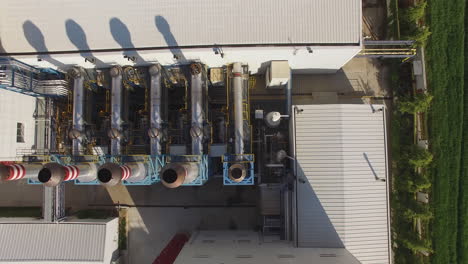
(54, 25)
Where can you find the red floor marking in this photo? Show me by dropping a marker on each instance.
(169, 254)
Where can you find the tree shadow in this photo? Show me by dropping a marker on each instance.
(164, 28)
(122, 36)
(77, 36)
(36, 39)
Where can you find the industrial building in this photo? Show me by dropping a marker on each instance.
(181, 94)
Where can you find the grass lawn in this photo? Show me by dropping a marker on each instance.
(463, 205)
(445, 54)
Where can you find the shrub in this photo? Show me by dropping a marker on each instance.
(420, 158)
(414, 14)
(420, 103)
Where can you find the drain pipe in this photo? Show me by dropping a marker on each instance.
(16, 172)
(237, 172)
(155, 110)
(76, 134)
(196, 95)
(52, 174)
(289, 94)
(116, 110)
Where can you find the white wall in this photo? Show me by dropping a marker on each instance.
(15, 108)
(321, 59)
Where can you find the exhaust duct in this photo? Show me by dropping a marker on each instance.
(111, 174)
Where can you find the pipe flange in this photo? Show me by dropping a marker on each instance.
(237, 172)
(196, 132)
(115, 71)
(74, 134)
(75, 72)
(154, 69)
(109, 174)
(52, 174)
(114, 133)
(195, 68)
(154, 132)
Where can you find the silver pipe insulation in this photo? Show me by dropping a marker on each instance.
(196, 95)
(155, 110)
(116, 110)
(16, 172)
(110, 174)
(78, 122)
(52, 174)
(238, 112)
(237, 171)
(178, 173)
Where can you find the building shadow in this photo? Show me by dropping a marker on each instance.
(122, 36)
(165, 30)
(36, 39)
(77, 36)
(317, 228)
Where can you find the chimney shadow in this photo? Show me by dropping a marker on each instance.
(163, 27)
(122, 36)
(77, 36)
(36, 39)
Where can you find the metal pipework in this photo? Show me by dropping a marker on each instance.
(110, 174)
(16, 172)
(116, 110)
(78, 101)
(52, 174)
(196, 96)
(238, 112)
(155, 110)
(237, 172)
(178, 173)
(289, 94)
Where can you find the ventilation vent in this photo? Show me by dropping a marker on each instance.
(244, 256)
(328, 255)
(286, 256)
(202, 256)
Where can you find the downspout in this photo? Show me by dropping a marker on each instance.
(289, 94)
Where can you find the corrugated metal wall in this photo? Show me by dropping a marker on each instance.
(52, 242)
(341, 193)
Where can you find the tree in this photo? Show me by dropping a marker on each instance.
(416, 13)
(420, 103)
(420, 158)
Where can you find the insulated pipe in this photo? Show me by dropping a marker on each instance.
(196, 95)
(110, 174)
(155, 110)
(15, 172)
(238, 113)
(116, 110)
(52, 174)
(178, 173)
(78, 101)
(237, 171)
